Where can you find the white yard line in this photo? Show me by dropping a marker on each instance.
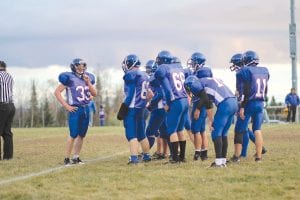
(55, 169)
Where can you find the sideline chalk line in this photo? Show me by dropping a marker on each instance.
(54, 169)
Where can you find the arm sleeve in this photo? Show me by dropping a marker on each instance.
(245, 88)
(160, 73)
(286, 100)
(157, 97)
(129, 79)
(204, 100)
(167, 90)
(131, 89)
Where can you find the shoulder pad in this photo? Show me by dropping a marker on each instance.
(160, 72)
(64, 78)
(92, 78)
(130, 77)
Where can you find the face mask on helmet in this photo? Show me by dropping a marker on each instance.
(196, 61)
(164, 57)
(237, 62)
(250, 58)
(151, 67)
(78, 66)
(189, 82)
(129, 62)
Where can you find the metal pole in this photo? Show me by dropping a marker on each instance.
(293, 47)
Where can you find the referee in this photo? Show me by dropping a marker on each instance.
(7, 111)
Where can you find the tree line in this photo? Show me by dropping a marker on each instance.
(48, 112)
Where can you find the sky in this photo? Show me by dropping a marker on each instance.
(38, 34)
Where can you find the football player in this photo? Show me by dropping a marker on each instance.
(208, 90)
(157, 116)
(196, 62)
(79, 89)
(241, 139)
(132, 108)
(253, 92)
(171, 77)
(187, 124)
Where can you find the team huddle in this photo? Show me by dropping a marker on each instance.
(177, 98)
(167, 92)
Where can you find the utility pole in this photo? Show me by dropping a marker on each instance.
(293, 46)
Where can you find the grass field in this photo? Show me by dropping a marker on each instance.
(36, 171)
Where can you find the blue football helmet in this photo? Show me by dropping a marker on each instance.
(75, 63)
(196, 61)
(189, 81)
(176, 60)
(151, 67)
(204, 72)
(237, 62)
(164, 57)
(130, 61)
(250, 58)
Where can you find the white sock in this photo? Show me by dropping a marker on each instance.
(224, 161)
(75, 156)
(219, 161)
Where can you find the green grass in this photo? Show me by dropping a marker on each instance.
(36, 150)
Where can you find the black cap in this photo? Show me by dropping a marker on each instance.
(2, 64)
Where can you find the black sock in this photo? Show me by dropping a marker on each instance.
(182, 145)
(224, 146)
(170, 146)
(218, 147)
(174, 147)
(204, 153)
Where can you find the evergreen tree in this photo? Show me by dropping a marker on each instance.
(273, 101)
(47, 116)
(35, 119)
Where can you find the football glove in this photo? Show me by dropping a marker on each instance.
(122, 111)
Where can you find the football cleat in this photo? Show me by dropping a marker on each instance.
(197, 156)
(258, 160)
(67, 162)
(235, 159)
(77, 161)
(214, 165)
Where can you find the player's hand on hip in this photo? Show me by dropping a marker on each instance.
(196, 114)
(71, 108)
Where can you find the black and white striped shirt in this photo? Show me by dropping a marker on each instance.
(6, 87)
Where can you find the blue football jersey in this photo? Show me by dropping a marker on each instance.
(158, 100)
(187, 72)
(135, 88)
(255, 82)
(172, 79)
(77, 90)
(239, 84)
(216, 90)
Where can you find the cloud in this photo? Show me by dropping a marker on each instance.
(35, 33)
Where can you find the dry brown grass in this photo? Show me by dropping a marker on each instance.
(277, 177)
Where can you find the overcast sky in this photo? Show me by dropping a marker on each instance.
(37, 33)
